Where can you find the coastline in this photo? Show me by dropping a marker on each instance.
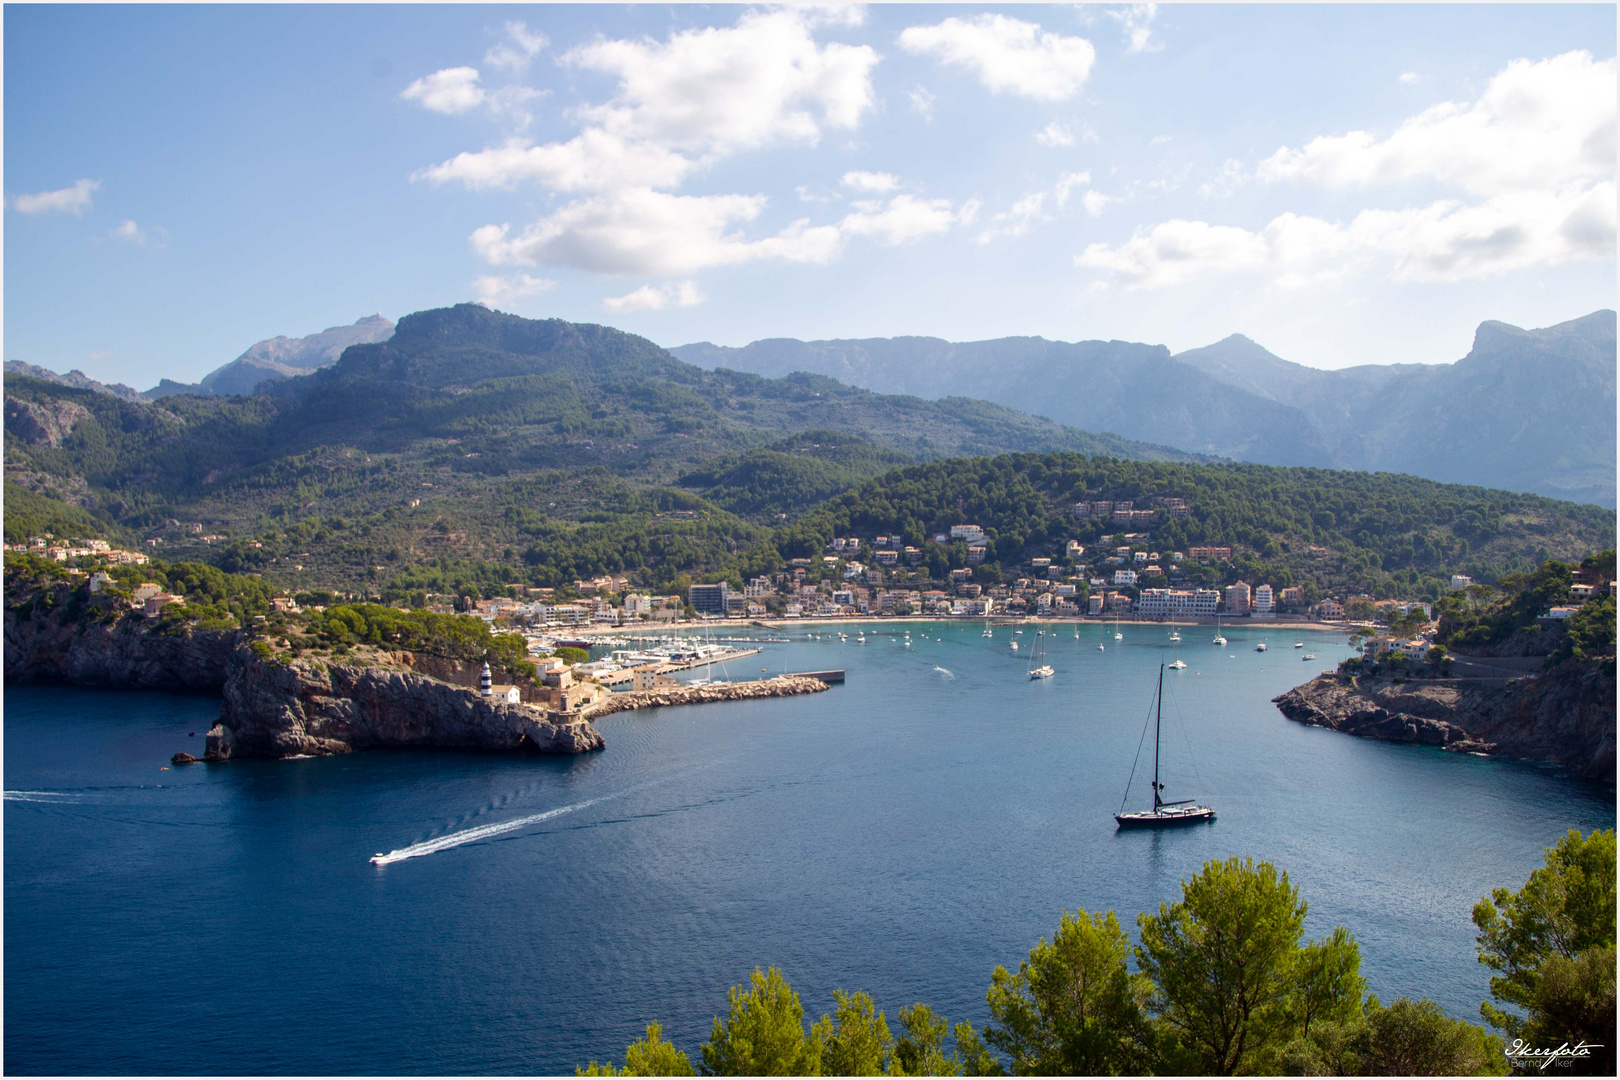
(993, 620)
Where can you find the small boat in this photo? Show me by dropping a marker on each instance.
(1299, 644)
(1101, 647)
(1220, 639)
(1015, 646)
(861, 639)
(1041, 670)
(987, 633)
(1175, 635)
(1178, 665)
(1163, 814)
(1260, 647)
(1309, 656)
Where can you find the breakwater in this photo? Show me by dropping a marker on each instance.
(781, 686)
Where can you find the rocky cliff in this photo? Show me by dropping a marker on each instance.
(279, 709)
(1565, 716)
(275, 707)
(67, 641)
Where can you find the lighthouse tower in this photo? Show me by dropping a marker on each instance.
(484, 681)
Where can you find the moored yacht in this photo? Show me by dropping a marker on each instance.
(1163, 814)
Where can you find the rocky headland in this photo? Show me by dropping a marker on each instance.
(278, 703)
(275, 705)
(1564, 716)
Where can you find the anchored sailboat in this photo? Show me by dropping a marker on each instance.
(1163, 814)
(1041, 670)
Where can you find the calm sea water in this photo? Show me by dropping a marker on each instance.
(903, 833)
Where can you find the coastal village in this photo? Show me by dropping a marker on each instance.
(1122, 576)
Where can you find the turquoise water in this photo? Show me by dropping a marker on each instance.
(902, 833)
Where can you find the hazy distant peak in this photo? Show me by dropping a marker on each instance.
(284, 357)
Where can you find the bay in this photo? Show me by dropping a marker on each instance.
(902, 833)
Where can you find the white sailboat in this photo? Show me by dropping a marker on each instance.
(1220, 639)
(1041, 670)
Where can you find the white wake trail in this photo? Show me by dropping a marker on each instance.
(481, 832)
(946, 672)
(41, 796)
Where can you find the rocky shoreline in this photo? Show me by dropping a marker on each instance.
(1565, 716)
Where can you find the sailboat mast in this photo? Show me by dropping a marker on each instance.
(1158, 714)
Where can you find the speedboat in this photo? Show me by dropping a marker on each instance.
(1309, 656)
(1299, 644)
(1260, 647)
(1177, 664)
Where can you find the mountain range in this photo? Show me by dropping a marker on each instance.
(472, 449)
(1525, 410)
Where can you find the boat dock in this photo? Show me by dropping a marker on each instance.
(625, 675)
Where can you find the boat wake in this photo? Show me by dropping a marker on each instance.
(42, 796)
(947, 672)
(481, 832)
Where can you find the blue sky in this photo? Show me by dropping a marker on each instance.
(1344, 184)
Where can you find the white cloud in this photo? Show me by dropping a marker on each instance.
(1016, 221)
(73, 200)
(639, 231)
(1538, 125)
(1535, 152)
(1227, 180)
(1136, 21)
(497, 289)
(847, 16)
(519, 47)
(1067, 183)
(130, 232)
(1007, 55)
(921, 101)
(1409, 77)
(1055, 134)
(1159, 140)
(902, 219)
(871, 181)
(1095, 202)
(681, 105)
(450, 91)
(716, 91)
(593, 160)
(1443, 241)
(656, 298)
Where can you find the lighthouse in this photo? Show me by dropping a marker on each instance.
(484, 682)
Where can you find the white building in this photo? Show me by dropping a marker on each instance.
(637, 605)
(1177, 603)
(971, 533)
(1124, 577)
(1460, 582)
(1264, 605)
